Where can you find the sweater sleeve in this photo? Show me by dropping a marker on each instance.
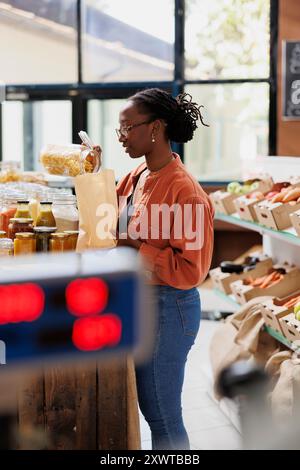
(186, 261)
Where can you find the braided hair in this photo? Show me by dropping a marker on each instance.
(180, 114)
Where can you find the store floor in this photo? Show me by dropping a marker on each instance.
(211, 425)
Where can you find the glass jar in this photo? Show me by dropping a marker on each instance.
(45, 217)
(33, 209)
(42, 235)
(2, 234)
(65, 212)
(19, 225)
(72, 240)
(8, 211)
(24, 243)
(59, 241)
(22, 210)
(6, 247)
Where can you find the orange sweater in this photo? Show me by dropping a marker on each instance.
(177, 246)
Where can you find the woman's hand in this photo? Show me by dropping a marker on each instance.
(96, 152)
(129, 241)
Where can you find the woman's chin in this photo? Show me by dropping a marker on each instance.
(133, 154)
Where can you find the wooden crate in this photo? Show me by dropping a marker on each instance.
(290, 283)
(245, 207)
(223, 281)
(290, 327)
(265, 185)
(223, 202)
(274, 310)
(295, 219)
(275, 215)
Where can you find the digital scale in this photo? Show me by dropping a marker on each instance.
(73, 306)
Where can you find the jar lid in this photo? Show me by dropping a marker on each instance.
(46, 202)
(24, 235)
(43, 229)
(64, 196)
(22, 201)
(6, 242)
(21, 220)
(72, 232)
(59, 235)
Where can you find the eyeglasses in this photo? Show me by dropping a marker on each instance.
(124, 131)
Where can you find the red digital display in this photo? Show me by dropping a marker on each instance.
(94, 333)
(21, 302)
(86, 296)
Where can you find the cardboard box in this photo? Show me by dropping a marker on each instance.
(289, 284)
(274, 310)
(290, 327)
(275, 215)
(223, 202)
(295, 219)
(222, 281)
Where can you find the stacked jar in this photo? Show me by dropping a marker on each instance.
(59, 242)
(6, 247)
(45, 226)
(72, 240)
(65, 212)
(8, 210)
(24, 243)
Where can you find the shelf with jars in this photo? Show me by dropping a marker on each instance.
(40, 210)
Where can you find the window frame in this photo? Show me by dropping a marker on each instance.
(79, 93)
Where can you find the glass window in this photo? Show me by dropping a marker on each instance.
(238, 132)
(38, 41)
(227, 39)
(103, 119)
(128, 41)
(26, 127)
(12, 131)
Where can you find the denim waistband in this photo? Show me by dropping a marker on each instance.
(174, 290)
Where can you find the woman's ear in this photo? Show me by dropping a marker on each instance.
(157, 125)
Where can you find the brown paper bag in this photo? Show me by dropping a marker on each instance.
(98, 210)
(241, 337)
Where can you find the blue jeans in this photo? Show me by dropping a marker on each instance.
(160, 380)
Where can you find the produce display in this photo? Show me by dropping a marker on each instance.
(267, 280)
(276, 189)
(237, 188)
(295, 302)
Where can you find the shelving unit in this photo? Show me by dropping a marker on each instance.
(288, 235)
(282, 246)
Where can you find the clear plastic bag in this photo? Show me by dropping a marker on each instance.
(10, 171)
(72, 159)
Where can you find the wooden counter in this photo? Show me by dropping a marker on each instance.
(83, 408)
